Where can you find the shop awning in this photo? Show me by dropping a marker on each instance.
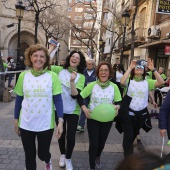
(155, 44)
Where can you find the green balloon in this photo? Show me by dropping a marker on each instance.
(103, 112)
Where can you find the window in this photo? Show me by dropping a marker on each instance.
(69, 8)
(106, 16)
(79, 1)
(78, 9)
(88, 16)
(69, 1)
(78, 26)
(76, 42)
(90, 0)
(89, 10)
(78, 18)
(88, 24)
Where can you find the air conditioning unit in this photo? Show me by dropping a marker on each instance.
(154, 31)
(168, 34)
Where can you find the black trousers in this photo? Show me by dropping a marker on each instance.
(67, 139)
(98, 133)
(131, 130)
(29, 145)
(157, 93)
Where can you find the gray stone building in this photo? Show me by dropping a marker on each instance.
(9, 35)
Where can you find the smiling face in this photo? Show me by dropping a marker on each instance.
(38, 60)
(74, 60)
(104, 73)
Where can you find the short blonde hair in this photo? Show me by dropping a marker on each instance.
(32, 49)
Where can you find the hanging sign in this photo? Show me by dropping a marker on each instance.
(163, 6)
(167, 50)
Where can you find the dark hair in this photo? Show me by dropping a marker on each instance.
(141, 161)
(82, 64)
(118, 67)
(32, 49)
(109, 66)
(133, 74)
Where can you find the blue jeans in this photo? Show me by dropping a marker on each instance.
(82, 118)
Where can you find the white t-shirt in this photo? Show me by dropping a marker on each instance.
(98, 95)
(37, 113)
(119, 75)
(70, 105)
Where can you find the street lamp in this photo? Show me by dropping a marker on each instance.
(125, 21)
(19, 13)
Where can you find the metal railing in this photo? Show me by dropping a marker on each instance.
(140, 35)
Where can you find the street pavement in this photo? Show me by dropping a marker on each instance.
(12, 154)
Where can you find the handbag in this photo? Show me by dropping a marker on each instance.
(148, 124)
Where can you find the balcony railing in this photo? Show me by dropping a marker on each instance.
(140, 36)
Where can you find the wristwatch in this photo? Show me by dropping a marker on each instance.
(153, 70)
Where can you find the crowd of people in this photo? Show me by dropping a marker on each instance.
(70, 92)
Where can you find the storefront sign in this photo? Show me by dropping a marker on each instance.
(167, 49)
(163, 6)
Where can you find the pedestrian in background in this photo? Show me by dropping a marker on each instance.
(20, 65)
(89, 74)
(72, 81)
(38, 90)
(118, 71)
(100, 91)
(62, 63)
(138, 89)
(11, 75)
(157, 92)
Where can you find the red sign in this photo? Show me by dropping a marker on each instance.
(167, 49)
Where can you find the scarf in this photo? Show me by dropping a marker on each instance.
(71, 69)
(138, 78)
(38, 73)
(103, 85)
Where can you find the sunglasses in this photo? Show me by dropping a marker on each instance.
(139, 67)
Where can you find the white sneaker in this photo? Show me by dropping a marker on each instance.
(69, 165)
(62, 163)
(48, 166)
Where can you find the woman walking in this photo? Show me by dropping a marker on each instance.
(72, 81)
(38, 90)
(100, 91)
(138, 89)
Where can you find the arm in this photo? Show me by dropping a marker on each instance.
(127, 73)
(74, 91)
(17, 110)
(58, 102)
(164, 114)
(159, 79)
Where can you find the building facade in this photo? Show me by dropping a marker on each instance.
(9, 35)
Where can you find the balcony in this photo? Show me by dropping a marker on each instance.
(140, 36)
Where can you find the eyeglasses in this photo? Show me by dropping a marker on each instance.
(139, 67)
(103, 70)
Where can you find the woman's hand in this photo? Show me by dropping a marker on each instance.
(73, 76)
(132, 64)
(59, 130)
(150, 64)
(117, 107)
(86, 111)
(16, 127)
(51, 47)
(163, 132)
